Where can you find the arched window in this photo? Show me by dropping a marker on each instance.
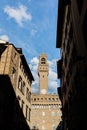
(43, 61)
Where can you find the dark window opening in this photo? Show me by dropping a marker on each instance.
(34, 99)
(23, 87)
(80, 4)
(22, 105)
(26, 112)
(29, 113)
(43, 61)
(20, 83)
(13, 72)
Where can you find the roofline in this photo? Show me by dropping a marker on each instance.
(27, 68)
(19, 50)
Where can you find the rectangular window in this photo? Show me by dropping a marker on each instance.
(20, 64)
(22, 105)
(53, 99)
(49, 99)
(29, 113)
(56, 99)
(27, 94)
(13, 72)
(15, 57)
(20, 83)
(26, 112)
(23, 87)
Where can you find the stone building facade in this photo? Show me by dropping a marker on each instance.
(14, 64)
(11, 115)
(72, 67)
(45, 108)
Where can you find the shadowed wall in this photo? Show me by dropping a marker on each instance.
(11, 116)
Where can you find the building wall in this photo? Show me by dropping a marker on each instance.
(9, 63)
(11, 115)
(23, 92)
(45, 112)
(72, 26)
(13, 63)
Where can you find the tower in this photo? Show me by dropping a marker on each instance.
(43, 74)
(45, 107)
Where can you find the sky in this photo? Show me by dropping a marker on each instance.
(32, 26)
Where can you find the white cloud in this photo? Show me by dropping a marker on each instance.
(19, 14)
(34, 68)
(52, 77)
(33, 32)
(4, 37)
(35, 61)
(52, 74)
(52, 63)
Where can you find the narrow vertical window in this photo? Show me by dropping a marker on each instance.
(23, 87)
(29, 113)
(13, 72)
(22, 105)
(19, 83)
(27, 94)
(26, 112)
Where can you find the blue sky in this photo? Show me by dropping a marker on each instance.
(32, 25)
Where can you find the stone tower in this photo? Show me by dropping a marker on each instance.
(45, 107)
(43, 70)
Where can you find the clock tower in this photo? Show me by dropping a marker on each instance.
(43, 74)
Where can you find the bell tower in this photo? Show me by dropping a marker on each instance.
(43, 74)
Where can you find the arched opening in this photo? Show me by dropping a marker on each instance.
(43, 61)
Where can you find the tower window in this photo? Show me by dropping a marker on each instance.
(43, 61)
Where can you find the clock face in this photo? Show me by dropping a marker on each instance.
(43, 91)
